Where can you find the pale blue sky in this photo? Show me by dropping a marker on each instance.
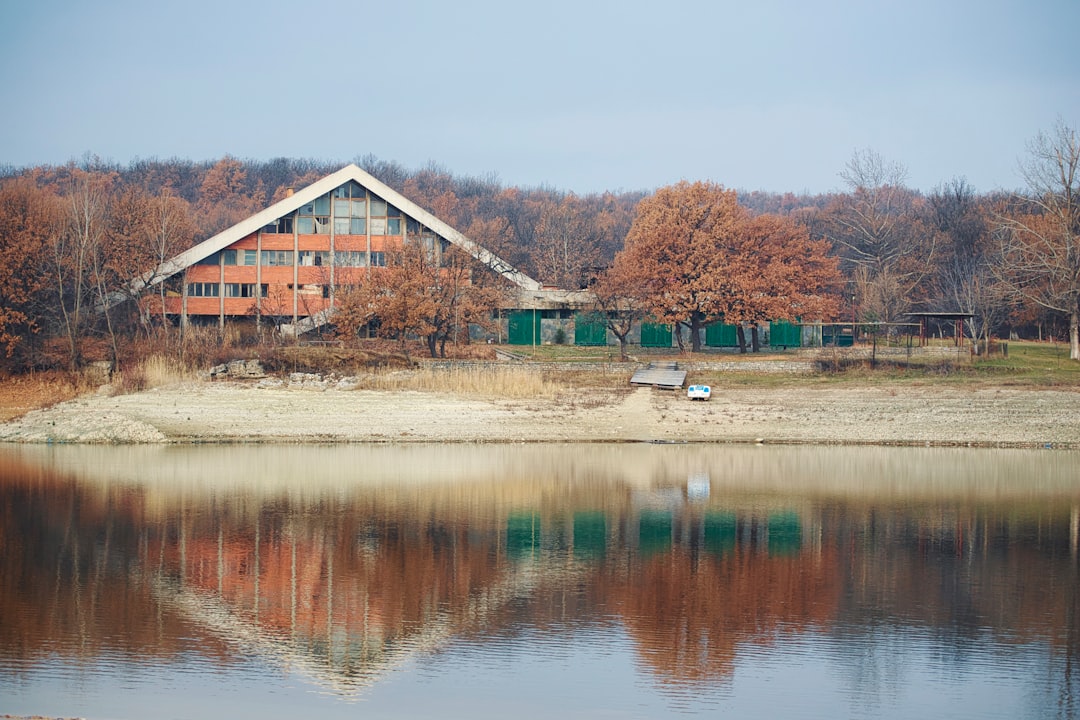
(582, 96)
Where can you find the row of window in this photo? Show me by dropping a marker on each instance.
(232, 290)
(249, 290)
(320, 225)
(305, 258)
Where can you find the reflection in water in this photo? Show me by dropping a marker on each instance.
(342, 565)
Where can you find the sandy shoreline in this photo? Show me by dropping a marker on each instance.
(251, 412)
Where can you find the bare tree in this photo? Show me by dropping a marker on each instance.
(1040, 243)
(966, 278)
(877, 231)
(73, 254)
(565, 248)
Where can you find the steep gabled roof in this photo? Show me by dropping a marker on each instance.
(317, 189)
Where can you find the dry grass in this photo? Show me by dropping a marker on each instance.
(493, 381)
(490, 382)
(151, 372)
(22, 393)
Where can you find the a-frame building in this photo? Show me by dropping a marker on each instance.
(286, 260)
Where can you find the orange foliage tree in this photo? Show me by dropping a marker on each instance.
(422, 293)
(700, 257)
(620, 299)
(30, 217)
(143, 232)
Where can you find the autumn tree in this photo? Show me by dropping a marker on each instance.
(223, 197)
(30, 220)
(778, 273)
(143, 231)
(1040, 241)
(701, 257)
(677, 241)
(620, 299)
(458, 300)
(422, 292)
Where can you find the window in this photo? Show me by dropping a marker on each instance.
(251, 257)
(350, 258)
(316, 258)
(283, 225)
(228, 257)
(378, 259)
(357, 226)
(277, 257)
(209, 260)
(385, 218)
(244, 290)
(203, 289)
(314, 217)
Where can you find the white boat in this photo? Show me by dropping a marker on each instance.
(699, 392)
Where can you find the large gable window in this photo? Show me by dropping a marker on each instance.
(344, 209)
(385, 218)
(314, 217)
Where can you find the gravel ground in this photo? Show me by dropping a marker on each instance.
(302, 412)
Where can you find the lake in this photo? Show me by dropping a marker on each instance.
(538, 581)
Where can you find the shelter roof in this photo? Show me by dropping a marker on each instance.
(942, 315)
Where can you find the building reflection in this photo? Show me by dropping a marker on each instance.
(345, 582)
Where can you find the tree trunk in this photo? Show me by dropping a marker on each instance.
(621, 337)
(741, 333)
(432, 349)
(1074, 333)
(755, 341)
(695, 333)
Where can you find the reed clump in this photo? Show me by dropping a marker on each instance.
(151, 372)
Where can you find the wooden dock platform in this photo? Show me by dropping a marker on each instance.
(664, 375)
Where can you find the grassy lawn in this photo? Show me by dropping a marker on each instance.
(1028, 364)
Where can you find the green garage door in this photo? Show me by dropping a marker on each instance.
(655, 335)
(524, 328)
(590, 329)
(721, 335)
(784, 334)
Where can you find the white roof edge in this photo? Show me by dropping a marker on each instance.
(308, 194)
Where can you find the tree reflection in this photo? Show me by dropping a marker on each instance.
(347, 583)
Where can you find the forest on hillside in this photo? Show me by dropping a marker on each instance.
(81, 231)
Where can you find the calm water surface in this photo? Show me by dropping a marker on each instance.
(636, 581)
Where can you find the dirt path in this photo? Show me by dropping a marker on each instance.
(236, 412)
